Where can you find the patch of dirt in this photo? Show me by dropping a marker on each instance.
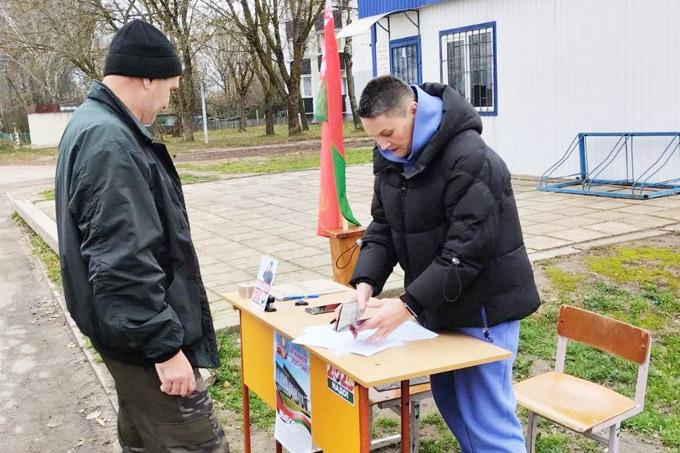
(260, 440)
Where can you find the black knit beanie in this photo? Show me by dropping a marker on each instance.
(140, 50)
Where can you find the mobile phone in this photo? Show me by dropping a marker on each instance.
(349, 314)
(328, 308)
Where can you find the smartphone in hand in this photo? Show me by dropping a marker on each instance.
(349, 314)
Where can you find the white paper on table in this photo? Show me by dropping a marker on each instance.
(344, 342)
(412, 331)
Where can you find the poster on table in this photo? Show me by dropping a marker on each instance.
(265, 279)
(293, 427)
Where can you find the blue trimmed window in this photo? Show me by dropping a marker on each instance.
(468, 65)
(405, 60)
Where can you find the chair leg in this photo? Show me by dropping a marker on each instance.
(614, 438)
(532, 424)
(415, 416)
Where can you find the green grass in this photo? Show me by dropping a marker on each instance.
(638, 285)
(188, 178)
(43, 251)
(444, 442)
(226, 389)
(47, 194)
(26, 155)
(384, 426)
(639, 265)
(253, 136)
(276, 163)
(562, 280)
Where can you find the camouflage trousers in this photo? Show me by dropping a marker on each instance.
(151, 421)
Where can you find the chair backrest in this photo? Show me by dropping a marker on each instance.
(607, 334)
(629, 342)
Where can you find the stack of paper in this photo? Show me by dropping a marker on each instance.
(344, 342)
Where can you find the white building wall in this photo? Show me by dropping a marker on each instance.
(46, 129)
(565, 66)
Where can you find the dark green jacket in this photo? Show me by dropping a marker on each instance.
(131, 277)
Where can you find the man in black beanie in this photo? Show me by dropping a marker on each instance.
(131, 277)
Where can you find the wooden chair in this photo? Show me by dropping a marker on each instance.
(577, 404)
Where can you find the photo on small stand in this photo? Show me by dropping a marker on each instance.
(265, 279)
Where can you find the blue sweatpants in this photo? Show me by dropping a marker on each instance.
(478, 403)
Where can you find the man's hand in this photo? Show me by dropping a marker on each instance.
(177, 376)
(363, 295)
(391, 314)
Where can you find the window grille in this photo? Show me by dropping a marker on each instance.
(468, 65)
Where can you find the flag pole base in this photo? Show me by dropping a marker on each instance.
(344, 252)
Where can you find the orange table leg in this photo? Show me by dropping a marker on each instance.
(364, 428)
(405, 418)
(246, 418)
(245, 394)
(279, 447)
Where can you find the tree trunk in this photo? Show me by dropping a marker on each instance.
(293, 107)
(268, 113)
(187, 101)
(242, 114)
(350, 78)
(303, 116)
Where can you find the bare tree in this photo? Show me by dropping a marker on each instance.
(261, 23)
(346, 10)
(33, 71)
(268, 94)
(67, 28)
(177, 19)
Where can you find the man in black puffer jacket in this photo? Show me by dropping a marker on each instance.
(443, 208)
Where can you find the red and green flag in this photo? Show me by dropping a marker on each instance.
(333, 204)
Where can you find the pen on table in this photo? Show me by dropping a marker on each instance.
(309, 296)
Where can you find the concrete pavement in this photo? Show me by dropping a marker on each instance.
(50, 398)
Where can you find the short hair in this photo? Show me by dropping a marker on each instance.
(384, 95)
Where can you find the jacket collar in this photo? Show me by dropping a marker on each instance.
(101, 93)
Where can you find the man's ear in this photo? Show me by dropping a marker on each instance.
(412, 107)
(146, 83)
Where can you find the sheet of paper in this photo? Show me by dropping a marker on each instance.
(344, 342)
(412, 331)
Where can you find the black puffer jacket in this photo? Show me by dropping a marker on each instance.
(451, 222)
(130, 272)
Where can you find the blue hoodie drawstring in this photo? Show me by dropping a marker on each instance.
(485, 330)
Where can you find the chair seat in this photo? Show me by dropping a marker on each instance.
(570, 401)
(382, 396)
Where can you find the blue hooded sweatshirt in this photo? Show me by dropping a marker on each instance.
(428, 118)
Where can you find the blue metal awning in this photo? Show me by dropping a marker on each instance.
(374, 7)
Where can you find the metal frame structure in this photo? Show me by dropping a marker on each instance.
(635, 185)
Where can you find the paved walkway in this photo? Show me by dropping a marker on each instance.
(235, 221)
(50, 399)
